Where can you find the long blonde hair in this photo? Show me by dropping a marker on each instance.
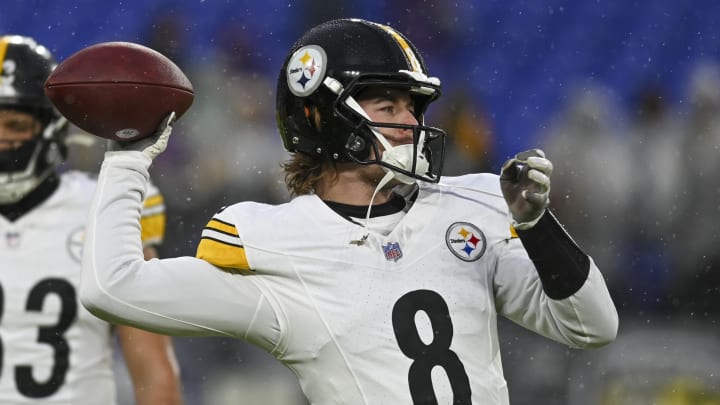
(303, 173)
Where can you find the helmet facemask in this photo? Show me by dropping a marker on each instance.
(367, 145)
(24, 168)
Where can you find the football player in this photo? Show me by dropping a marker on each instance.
(380, 282)
(52, 350)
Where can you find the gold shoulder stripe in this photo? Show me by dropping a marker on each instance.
(222, 227)
(513, 232)
(153, 201)
(221, 254)
(3, 51)
(152, 228)
(221, 221)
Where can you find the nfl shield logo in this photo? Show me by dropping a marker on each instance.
(392, 251)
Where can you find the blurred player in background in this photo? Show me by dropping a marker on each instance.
(380, 282)
(52, 350)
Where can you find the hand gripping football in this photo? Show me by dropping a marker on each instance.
(119, 90)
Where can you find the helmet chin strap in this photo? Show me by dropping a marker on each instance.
(399, 156)
(402, 157)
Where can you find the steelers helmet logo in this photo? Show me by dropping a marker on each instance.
(306, 70)
(466, 241)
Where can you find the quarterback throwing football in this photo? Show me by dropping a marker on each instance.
(380, 282)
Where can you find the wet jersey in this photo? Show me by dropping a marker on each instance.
(407, 316)
(52, 350)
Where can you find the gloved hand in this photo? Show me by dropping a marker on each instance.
(525, 183)
(151, 146)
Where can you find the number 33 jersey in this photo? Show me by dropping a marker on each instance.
(52, 351)
(403, 317)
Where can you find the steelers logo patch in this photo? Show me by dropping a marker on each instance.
(466, 241)
(306, 70)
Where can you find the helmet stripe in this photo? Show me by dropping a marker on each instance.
(412, 58)
(3, 51)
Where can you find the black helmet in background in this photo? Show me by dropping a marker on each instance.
(24, 68)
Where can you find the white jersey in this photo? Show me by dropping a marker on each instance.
(52, 350)
(401, 318)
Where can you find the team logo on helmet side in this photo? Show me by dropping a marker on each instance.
(306, 70)
(466, 241)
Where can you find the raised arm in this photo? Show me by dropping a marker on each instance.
(179, 296)
(559, 292)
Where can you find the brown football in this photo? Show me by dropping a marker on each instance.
(119, 90)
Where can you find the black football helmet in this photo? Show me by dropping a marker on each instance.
(24, 68)
(326, 68)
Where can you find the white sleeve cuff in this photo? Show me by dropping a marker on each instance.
(133, 160)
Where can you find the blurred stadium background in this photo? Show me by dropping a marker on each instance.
(623, 95)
